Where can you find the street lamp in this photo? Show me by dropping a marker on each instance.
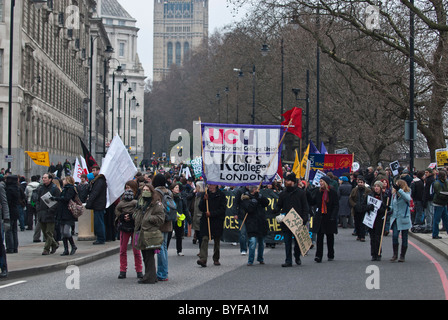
(241, 75)
(296, 92)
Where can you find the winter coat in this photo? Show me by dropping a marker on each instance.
(217, 209)
(29, 190)
(344, 194)
(63, 214)
(293, 198)
(123, 208)
(256, 222)
(358, 200)
(45, 214)
(401, 213)
(149, 217)
(427, 193)
(13, 196)
(417, 189)
(439, 199)
(97, 198)
(197, 214)
(325, 223)
(379, 219)
(3, 203)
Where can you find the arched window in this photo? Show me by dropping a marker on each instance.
(186, 51)
(178, 54)
(170, 54)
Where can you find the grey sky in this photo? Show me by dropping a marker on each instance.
(220, 14)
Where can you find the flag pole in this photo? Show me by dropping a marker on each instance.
(205, 180)
(270, 162)
(384, 225)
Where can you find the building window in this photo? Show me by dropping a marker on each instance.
(186, 50)
(178, 54)
(133, 141)
(170, 54)
(121, 49)
(1, 64)
(2, 9)
(133, 123)
(109, 22)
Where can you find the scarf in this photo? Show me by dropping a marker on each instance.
(325, 200)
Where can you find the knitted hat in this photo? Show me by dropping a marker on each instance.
(326, 179)
(291, 177)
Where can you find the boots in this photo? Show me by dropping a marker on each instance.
(65, 253)
(395, 256)
(74, 247)
(403, 253)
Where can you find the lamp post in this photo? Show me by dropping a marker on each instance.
(241, 75)
(296, 92)
(129, 121)
(123, 84)
(411, 90)
(109, 51)
(120, 71)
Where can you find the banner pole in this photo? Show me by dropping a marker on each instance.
(384, 225)
(205, 180)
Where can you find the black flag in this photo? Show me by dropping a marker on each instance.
(90, 161)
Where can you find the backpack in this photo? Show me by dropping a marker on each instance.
(441, 197)
(169, 205)
(34, 197)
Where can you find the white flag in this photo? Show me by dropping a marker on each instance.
(118, 168)
(78, 171)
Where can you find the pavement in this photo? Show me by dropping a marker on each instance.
(29, 260)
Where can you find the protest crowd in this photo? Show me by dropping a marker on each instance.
(168, 203)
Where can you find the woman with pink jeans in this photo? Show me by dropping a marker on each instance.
(123, 215)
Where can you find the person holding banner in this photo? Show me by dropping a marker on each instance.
(358, 200)
(253, 204)
(292, 198)
(326, 202)
(213, 204)
(401, 218)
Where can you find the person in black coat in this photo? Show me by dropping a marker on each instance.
(215, 213)
(292, 198)
(13, 196)
(375, 233)
(96, 201)
(254, 204)
(64, 215)
(325, 200)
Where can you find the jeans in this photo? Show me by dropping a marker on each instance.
(419, 213)
(124, 240)
(396, 233)
(440, 213)
(429, 215)
(162, 259)
(12, 238)
(252, 245)
(3, 261)
(98, 225)
(289, 242)
(243, 237)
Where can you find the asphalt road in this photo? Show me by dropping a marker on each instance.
(348, 277)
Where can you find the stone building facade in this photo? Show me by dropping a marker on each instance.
(51, 77)
(179, 26)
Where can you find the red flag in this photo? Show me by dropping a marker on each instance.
(296, 124)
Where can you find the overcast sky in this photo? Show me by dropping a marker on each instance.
(220, 14)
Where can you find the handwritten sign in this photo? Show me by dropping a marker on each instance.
(295, 223)
(369, 218)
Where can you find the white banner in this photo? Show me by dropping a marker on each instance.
(118, 168)
(237, 155)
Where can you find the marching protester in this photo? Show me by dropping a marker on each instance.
(64, 216)
(196, 214)
(401, 218)
(439, 202)
(345, 189)
(295, 198)
(375, 232)
(149, 217)
(124, 212)
(358, 204)
(47, 213)
(427, 199)
(213, 204)
(182, 212)
(4, 226)
(325, 200)
(13, 196)
(96, 201)
(253, 204)
(159, 184)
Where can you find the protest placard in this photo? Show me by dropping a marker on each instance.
(295, 223)
(369, 217)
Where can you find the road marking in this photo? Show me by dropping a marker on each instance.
(439, 268)
(12, 284)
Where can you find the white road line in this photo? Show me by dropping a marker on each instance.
(12, 284)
